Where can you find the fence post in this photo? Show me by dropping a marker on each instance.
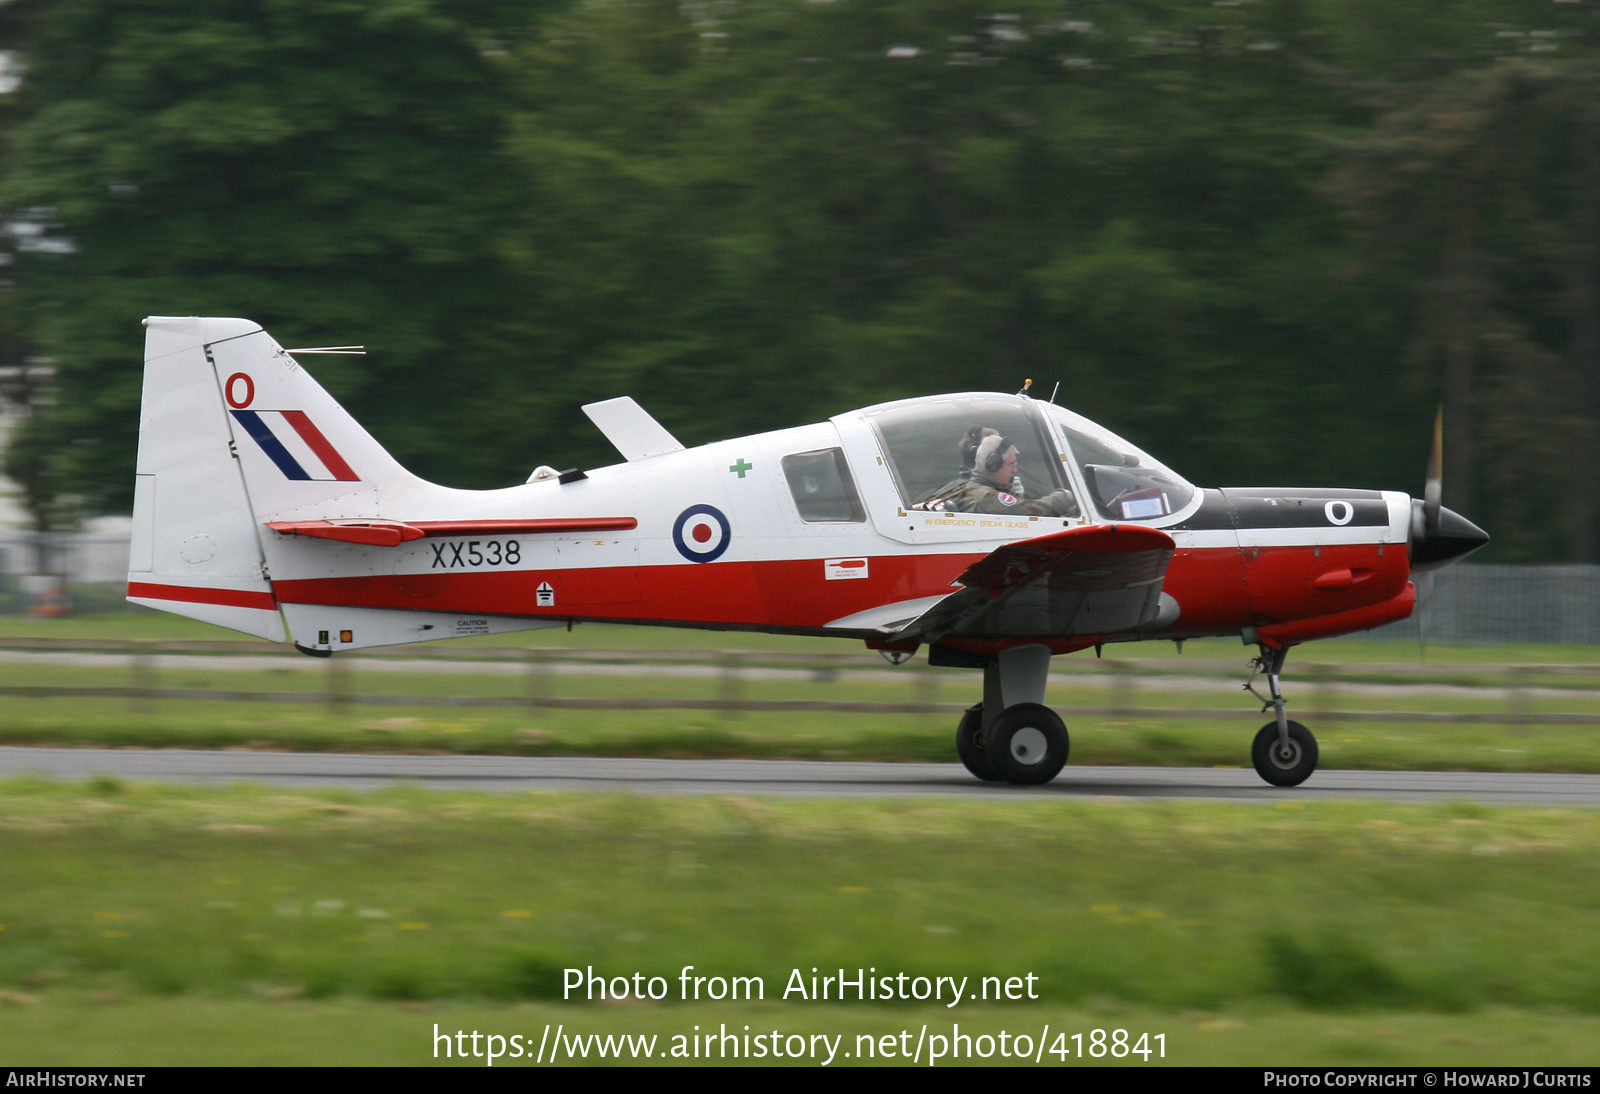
(730, 684)
(1123, 687)
(538, 677)
(1519, 697)
(338, 685)
(925, 686)
(142, 678)
(1324, 688)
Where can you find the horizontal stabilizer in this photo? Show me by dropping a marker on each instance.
(392, 533)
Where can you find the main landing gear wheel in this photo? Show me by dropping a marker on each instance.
(1283, 765)
(969, 745)
(1027, 744)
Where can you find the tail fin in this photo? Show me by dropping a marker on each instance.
(298, 448)
(232, 433)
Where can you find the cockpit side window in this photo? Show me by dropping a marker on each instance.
(930, 447)
(1124, 482)
(822, 488)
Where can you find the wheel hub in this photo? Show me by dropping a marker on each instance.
(1028, 746)
(1286, 754)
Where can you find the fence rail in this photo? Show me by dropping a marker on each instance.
(1182, 666)
(1515, 683)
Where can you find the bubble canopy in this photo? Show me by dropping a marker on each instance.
(922, 440)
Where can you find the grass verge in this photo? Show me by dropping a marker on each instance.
(117, 890)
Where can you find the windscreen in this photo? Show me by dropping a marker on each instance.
(1124, 482)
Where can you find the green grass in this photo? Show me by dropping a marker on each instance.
(149, 924)
(408, 894)
(144, 924)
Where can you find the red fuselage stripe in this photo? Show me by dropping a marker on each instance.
(1220, 590)
(231, 598)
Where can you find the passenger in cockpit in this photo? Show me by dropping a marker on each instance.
(992, 486)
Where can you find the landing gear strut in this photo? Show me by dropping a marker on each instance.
(1012, 736)
(1284, 753)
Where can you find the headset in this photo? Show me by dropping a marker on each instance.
(970, 440)
(997, 458)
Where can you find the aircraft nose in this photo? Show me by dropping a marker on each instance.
(1455, 538)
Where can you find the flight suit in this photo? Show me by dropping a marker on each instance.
(982, 493)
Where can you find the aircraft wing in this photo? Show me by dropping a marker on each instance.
(1092, 579)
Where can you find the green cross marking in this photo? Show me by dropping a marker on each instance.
(741, 467)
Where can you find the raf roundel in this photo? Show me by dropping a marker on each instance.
(701, 533)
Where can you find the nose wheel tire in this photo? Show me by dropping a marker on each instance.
(1027, 744)
(1284, 766)
(969, 745)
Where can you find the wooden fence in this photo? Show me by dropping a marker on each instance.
(1317, 686)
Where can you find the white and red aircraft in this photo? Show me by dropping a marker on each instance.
(260, 502)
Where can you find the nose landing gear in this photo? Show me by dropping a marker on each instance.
(1284, 753)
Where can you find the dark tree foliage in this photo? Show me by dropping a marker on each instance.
(756, 215)
(1484, 186)
(1231, 231)
(776, 212)
(332, 170)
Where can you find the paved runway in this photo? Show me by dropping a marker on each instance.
(791, 777)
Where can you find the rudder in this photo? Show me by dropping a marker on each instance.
(196, 547)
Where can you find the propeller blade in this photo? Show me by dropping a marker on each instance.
(1433, 487)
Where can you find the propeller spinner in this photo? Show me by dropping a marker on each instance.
(1438, 535)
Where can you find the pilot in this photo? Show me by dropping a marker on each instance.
(966, 456)
(993, 486)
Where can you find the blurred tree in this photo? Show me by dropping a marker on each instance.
(754, 215)
(775, 212)
(772, 213)
(22, 377)
(1485, 182)
(331, 170)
